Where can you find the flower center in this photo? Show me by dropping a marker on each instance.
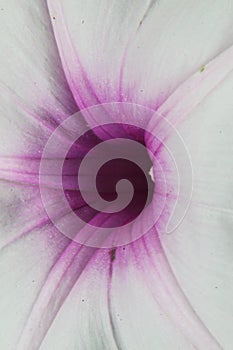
(114, 185)
(103, 172)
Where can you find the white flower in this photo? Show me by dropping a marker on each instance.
(168, 292)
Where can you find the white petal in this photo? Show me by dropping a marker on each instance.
(33, 89)
(200, 250)
(84, 321)
(141, 319)
(137, 51)
(24, 268)
(130, 304)
(34, 98)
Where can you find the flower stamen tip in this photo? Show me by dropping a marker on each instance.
(151, 174)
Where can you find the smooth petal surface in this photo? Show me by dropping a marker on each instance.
(124, 312)
(34, 99)
(165, 318)
(200, 251)
(86, 311)
(137, 51)
(33, 89)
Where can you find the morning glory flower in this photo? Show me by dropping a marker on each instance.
(64, 66)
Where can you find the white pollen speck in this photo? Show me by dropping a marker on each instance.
(151, 174)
